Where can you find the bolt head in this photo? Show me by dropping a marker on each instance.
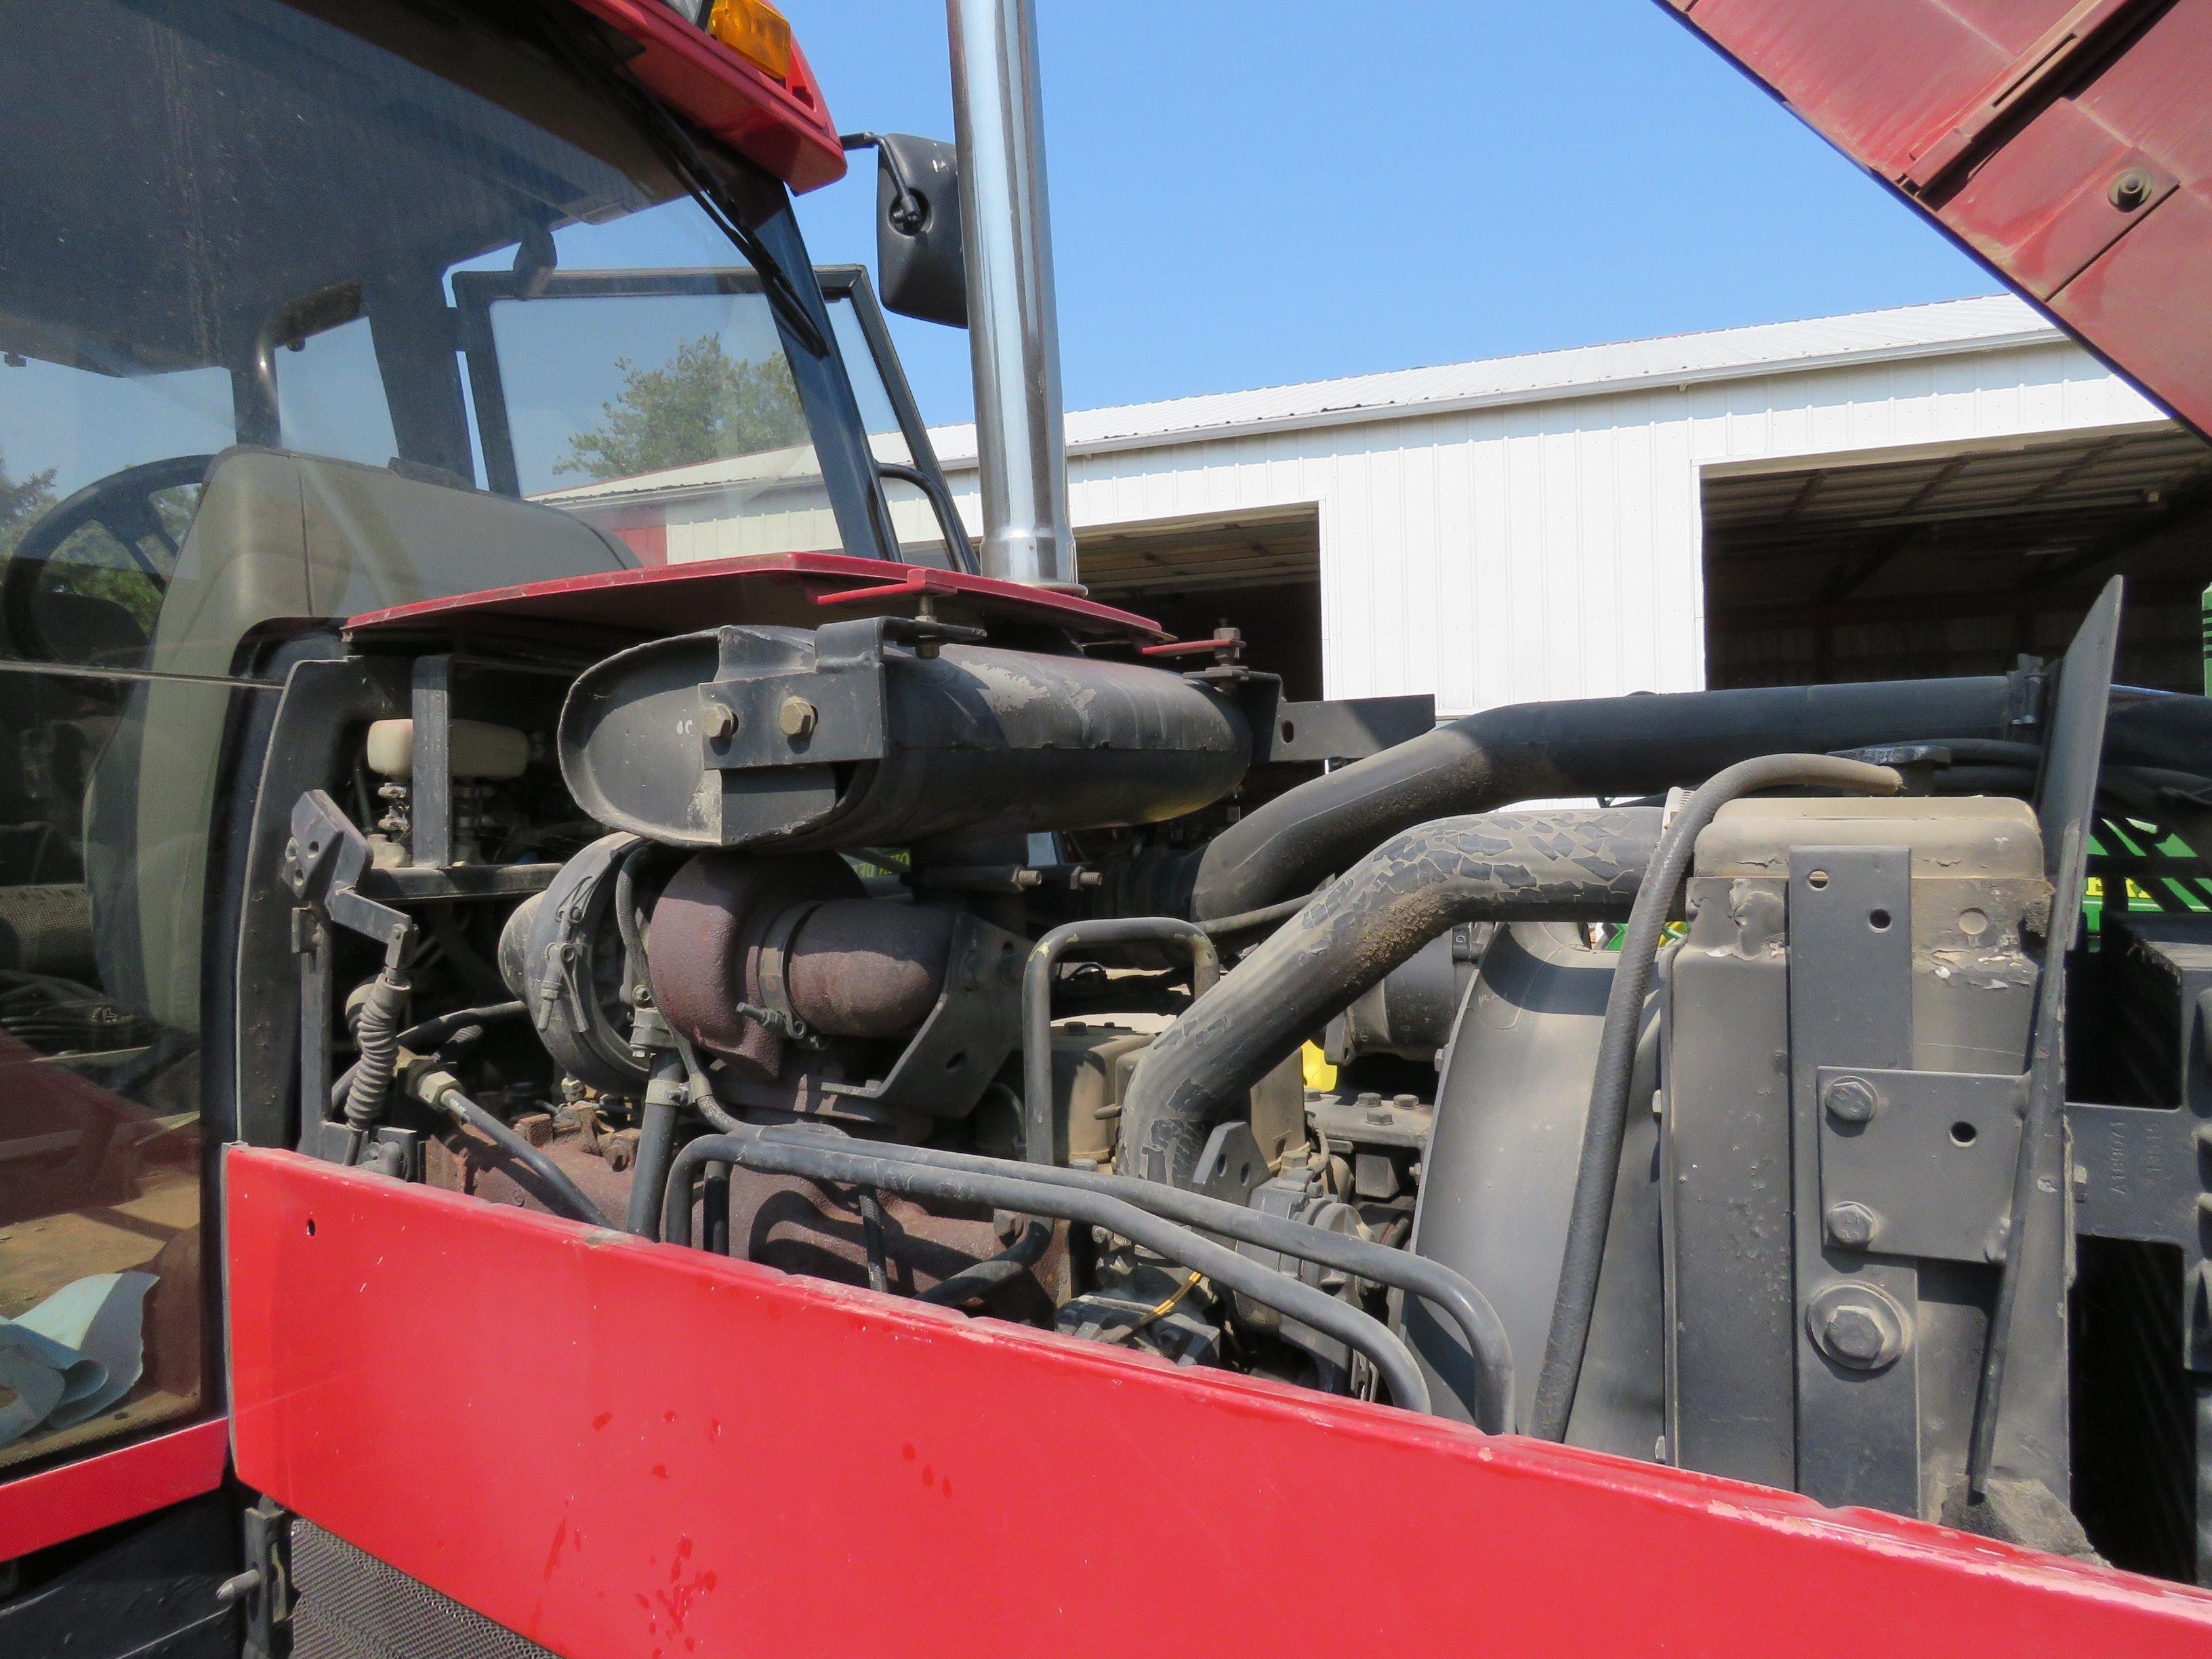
(719, 721)
(1852, 1335)
(1858, 1326)
(1850, 1099)
(797, 718)
(1850, 1224)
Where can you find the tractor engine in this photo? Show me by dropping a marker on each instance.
(1687, 1077)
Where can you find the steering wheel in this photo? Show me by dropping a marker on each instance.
(121, 503)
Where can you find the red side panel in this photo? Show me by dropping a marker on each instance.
(2067, 142)
(96, 1491)
(626, 1451)
(785, 128)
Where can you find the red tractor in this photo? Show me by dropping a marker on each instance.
(553, 1101)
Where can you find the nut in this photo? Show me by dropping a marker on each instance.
(1850, 1099)
(797, 718)
(619, 1149)
(2131, 190)
(1850, 1224)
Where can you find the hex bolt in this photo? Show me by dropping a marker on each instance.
(1857, 1325)
(1850, 1224)
(719, 721)
(1850, 1099)
(2131, 190)
(797, 718)
(1853, 1336)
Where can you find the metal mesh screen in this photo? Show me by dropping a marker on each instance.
(350, 1606)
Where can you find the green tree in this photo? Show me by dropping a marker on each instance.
(702, 405)
(22, 504)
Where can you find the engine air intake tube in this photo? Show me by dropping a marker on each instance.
(1618, 746)
(1501, 866)
(859, 733)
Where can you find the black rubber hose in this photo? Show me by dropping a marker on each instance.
(376, 1034)
(1392, 1361)
(971, 1284)
(1504, 866)
(546, 1181)
(1250, 922)
(1590, 1214)
(627, 922)
(1611, 746)
(426, 1036)
(1433, 1282)
(656, 1144)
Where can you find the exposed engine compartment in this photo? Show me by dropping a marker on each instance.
(934, 951)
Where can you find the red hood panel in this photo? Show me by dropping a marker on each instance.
(784, 587)
(2068, 143)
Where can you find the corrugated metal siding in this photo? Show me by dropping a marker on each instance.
(1547, 548)
(1555, 549)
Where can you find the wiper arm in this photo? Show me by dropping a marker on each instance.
(672, 141)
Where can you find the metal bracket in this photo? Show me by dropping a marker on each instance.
(1343, 729)
(265, 1587)
(1918, 1163)
(431, 806)
(324, 863)
(398, 1153)
(773, 704)
(1851, 999)
(945, 1067)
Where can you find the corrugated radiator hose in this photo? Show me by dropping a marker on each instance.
(1499, 866)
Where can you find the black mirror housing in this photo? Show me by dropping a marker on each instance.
(922, 270)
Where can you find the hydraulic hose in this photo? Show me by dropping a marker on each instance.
(971, 1284)
(426, 1036)
(669, 1091)
(1501, 867)
(1590, 1214)
(1459, 1301)
(1612, 746)
(1392, 1361)
(538, 1174)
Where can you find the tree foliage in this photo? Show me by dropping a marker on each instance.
(702, 405)
(22, 504)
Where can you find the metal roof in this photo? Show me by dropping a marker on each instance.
(1955, 325)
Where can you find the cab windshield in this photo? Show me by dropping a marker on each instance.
(414, 237)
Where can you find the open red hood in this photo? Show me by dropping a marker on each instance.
(2068, 143)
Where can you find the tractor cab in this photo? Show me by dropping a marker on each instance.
(310, 310)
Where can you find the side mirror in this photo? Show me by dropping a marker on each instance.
(920, 269)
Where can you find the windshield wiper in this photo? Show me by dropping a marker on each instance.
(672, 141)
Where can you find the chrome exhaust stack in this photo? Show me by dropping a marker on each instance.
(1013, 331)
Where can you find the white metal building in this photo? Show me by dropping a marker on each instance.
(1924, 490)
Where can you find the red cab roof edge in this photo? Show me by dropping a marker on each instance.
(682, 598)
(785, 128)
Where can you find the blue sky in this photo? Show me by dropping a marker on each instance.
(1248, 193)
